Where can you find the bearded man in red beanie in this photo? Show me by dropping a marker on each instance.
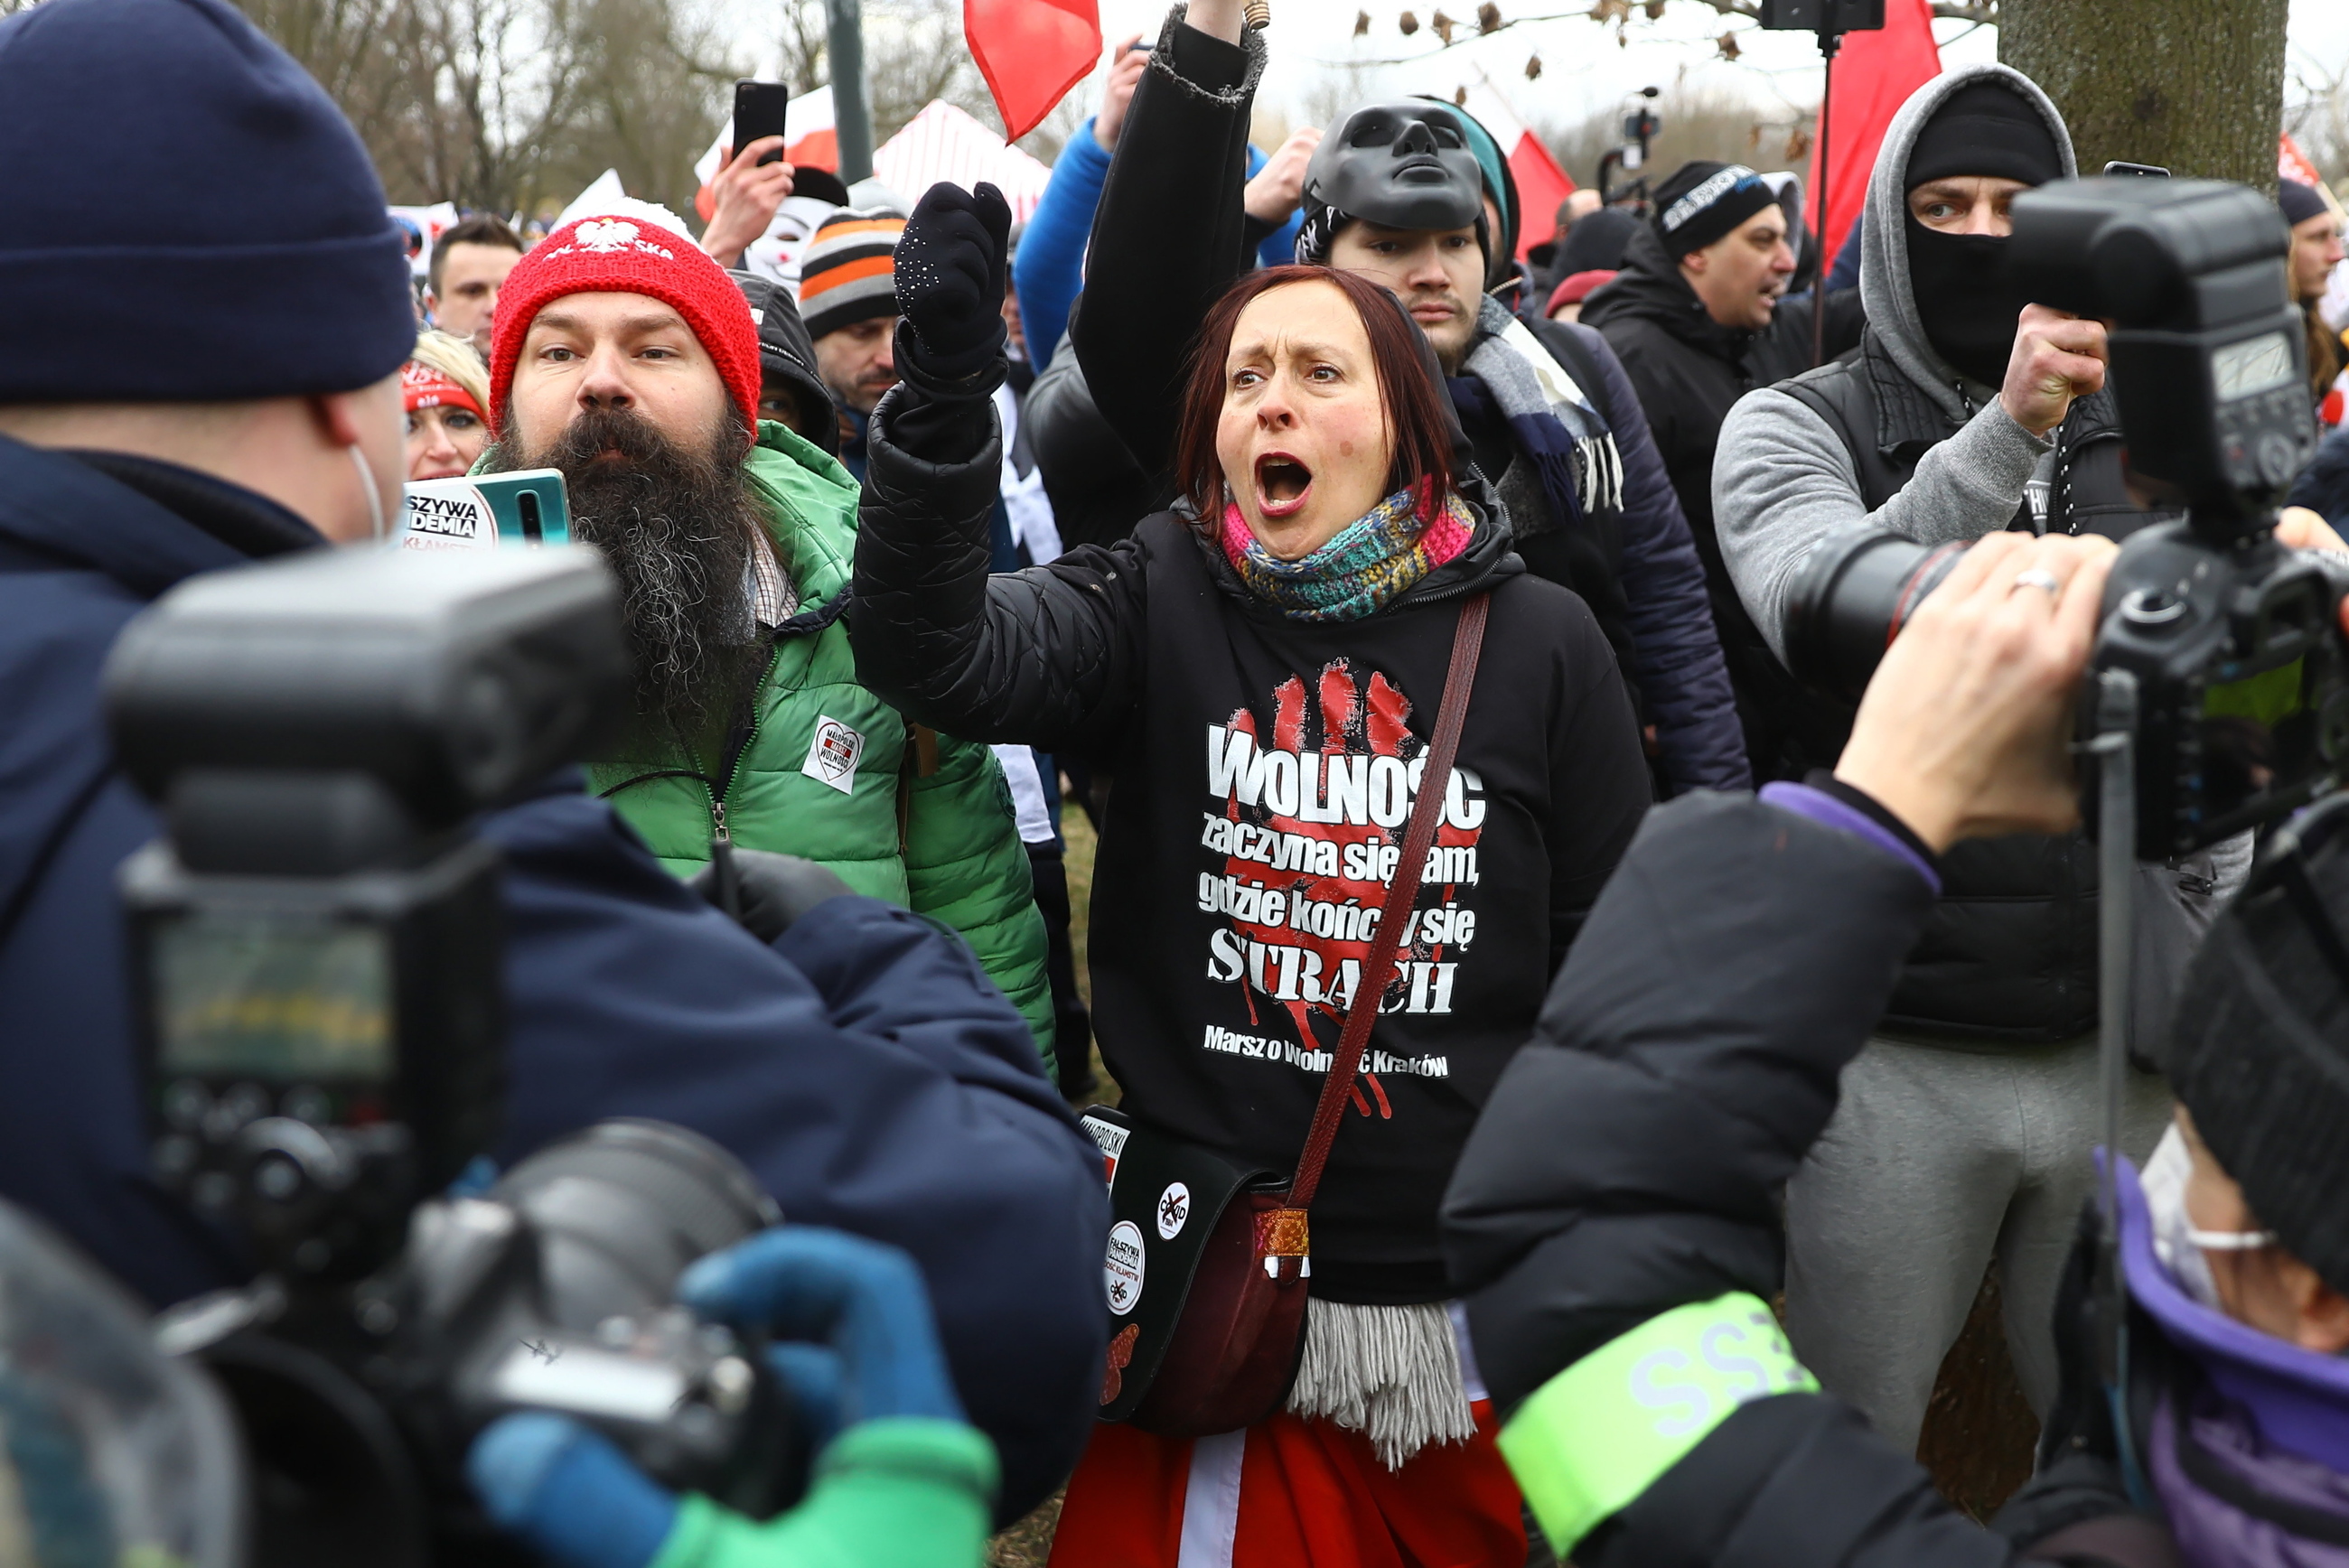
(626, 358)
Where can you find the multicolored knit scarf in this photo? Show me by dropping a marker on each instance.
(1363, 567)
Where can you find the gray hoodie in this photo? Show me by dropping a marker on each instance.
(1782, 478)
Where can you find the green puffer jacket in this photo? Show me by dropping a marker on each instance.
(920, 819)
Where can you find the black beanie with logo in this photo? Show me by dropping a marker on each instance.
(1704, 200)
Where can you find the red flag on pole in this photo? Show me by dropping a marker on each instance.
(1874, 75)
(1031, 52)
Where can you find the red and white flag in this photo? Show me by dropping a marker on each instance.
(1031, 52)
(945, 143)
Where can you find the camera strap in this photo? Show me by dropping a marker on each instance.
(2115, 750)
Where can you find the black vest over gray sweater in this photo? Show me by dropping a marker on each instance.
(2011, 951)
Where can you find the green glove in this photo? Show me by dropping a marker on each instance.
(900, 1493)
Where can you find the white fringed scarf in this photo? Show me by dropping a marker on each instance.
(1392, 1372)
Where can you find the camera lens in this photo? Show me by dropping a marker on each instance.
(623, 1208)
(1850, 600)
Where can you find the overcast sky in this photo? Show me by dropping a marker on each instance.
(1583, 67)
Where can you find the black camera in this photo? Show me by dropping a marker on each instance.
(1822, 16)
(316, 956)
(2233, 641)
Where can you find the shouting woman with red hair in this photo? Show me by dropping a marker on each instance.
(1260, 669)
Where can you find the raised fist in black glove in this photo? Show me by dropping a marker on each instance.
(950, 272)
(769, 890)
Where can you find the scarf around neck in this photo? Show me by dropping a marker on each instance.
(1363, 567)
(1551, 420)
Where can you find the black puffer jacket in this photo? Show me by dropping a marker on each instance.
(1262, 767)
(1629, 1159)
(1097, 490)
(1689, 370)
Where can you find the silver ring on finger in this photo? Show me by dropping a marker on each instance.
(2037, 577)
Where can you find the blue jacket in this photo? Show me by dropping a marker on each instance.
(1676, 659)
(1050, 266)
(863, 1068)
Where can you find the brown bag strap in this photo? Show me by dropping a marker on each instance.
(1402, 893)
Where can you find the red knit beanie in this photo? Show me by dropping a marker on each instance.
(628, 254)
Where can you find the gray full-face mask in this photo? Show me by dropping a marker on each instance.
(1403, 165)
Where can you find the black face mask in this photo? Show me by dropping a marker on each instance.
(1963, 298)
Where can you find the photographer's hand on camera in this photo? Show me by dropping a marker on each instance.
(901, 1477)
(2301, 528)
(2057, 358)
(1965, 731)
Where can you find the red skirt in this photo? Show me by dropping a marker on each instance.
(1289, 1492)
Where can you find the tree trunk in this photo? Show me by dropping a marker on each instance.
(2194, 86)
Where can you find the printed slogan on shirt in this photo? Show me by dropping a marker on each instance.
(1302, 832)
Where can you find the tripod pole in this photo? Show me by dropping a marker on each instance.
(1829, 42)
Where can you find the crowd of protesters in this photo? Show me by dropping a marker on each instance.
(1275, 508)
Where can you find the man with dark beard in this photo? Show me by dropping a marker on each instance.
(627, 359)
(678, 528)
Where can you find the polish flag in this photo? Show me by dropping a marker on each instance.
(809, 141)
(1541, 183)
(1031, 52)
(1874, 75)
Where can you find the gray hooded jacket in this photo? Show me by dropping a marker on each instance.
(1782, 478)
(2010, 951)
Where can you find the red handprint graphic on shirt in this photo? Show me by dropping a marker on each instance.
(1304, 828)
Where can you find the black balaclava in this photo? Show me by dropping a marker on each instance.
(1964, 301)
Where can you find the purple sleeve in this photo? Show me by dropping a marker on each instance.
(1828, 811)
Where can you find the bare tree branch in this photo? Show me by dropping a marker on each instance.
(1619, 14)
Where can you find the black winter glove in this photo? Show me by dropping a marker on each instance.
(769, 891)
(950, 274)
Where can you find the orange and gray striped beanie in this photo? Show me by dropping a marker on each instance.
(847, 274)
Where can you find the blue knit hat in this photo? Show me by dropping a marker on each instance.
(184, 215)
